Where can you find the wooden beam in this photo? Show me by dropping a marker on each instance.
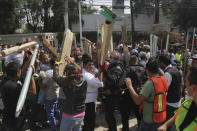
(88, 46)
(65, 49)
(47, 45)
(124, 34)
(100, 33)
(106, 42)
(124, 41)
(18, 48)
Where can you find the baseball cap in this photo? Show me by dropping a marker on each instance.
(194, 56)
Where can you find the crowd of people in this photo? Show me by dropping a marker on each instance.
(152, 88)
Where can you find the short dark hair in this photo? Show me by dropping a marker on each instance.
(133, 59)
(12, 69)
(86, 58)
(192, 76)
(71, 69)
(153, 65)
(165, 59)
(52, 61)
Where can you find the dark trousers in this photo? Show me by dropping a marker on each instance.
(32, 108)
(89, 118)
(170, 111)
(110, 104)
(126, 107)
(149, 127)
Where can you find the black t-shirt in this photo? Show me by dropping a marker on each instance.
(10, 95)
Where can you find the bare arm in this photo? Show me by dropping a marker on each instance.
(32, 89)
(167, 124)
(40, 83)
(72, 60)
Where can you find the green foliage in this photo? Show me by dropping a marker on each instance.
(10, 16)
(182, 12)
(39, 15)
(186, 14)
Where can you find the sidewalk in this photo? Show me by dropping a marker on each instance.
(101, 125)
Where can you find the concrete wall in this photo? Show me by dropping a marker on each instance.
(143, 22)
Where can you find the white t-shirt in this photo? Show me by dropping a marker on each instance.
(93, 83)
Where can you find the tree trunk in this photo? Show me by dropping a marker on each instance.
(132, 22)
(156, 12)
(46, 15)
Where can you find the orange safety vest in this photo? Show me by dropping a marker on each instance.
(159, 105)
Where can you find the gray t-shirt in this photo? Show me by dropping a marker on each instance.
(52, 88)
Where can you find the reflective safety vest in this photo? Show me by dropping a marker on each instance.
(181, 114)
(159, 105)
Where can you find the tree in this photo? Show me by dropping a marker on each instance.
(34, 15)
(185, 14)
(10, 16)
(59, 9)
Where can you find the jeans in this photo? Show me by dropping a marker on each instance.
(52, 109)
(89, 118)
(149, 127)
(71, 124)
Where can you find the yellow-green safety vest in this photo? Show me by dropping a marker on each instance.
(180, 116)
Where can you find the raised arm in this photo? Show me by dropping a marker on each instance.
(56, 77)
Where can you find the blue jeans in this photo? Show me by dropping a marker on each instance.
(52, 109)
(149, 127)
(71, 124)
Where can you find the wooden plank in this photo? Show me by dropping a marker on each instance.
(47, 45)
(65, 49)
(18, 48)
(124, 41)
(111, 47)
(124, 34)
(106, 42)
(100, 33)
(87, 46)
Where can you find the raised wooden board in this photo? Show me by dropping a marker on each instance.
(87, 46)
(124, 41)
(106, 42)
(47, 45)
(100, 33)
(18, 48)
(65, 49)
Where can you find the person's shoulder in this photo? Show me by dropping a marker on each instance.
(187, 103)
(148, 85)
(10, 85)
